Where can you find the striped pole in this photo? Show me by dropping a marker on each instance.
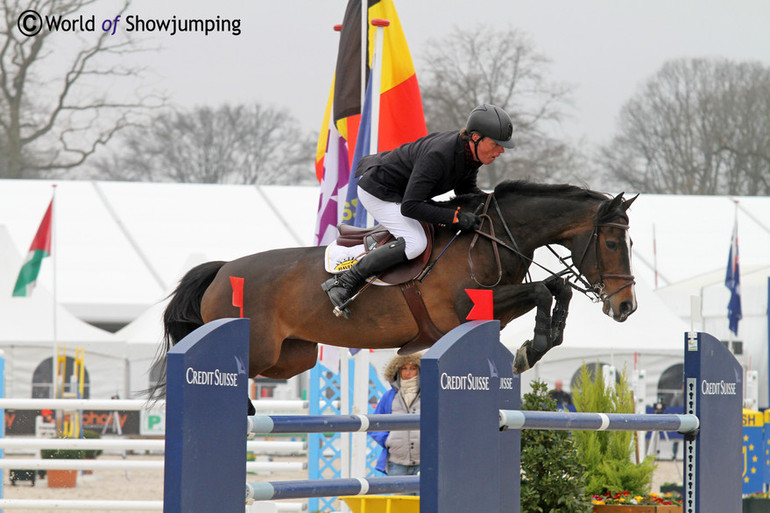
(274, 490)
(264, 424)
(583, 421)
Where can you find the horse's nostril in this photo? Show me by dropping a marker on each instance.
(626, 307)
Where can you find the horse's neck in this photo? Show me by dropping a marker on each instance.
(536, 222)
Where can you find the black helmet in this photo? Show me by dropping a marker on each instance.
(493, 122)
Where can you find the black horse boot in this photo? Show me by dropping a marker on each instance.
(342, 287)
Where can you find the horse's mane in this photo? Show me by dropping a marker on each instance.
(526, 188)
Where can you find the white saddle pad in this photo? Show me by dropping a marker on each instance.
(338, 259)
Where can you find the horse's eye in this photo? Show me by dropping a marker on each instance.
(611, 245)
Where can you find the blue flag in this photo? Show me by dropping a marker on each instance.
(353, 205)
(733, 283)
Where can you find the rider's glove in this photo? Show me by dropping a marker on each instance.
(466, 220)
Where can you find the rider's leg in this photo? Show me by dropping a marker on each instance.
(388, 215)
(410, 242)
(344, 286)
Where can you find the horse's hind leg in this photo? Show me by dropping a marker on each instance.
(296, 357)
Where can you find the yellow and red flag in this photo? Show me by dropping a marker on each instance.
(401, 115)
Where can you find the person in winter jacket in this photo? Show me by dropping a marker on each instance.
(400, 449)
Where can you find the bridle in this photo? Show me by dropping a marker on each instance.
(595, 292)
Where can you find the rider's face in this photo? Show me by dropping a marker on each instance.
(487, 150)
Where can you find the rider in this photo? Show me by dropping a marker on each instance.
(397, 186)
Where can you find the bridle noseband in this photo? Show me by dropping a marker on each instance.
(595, 292)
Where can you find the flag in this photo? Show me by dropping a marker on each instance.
(38, 250)
(355, 213)
(483, 305)
(733, 282)
(334, 182)
(401, 117)
(237, 284)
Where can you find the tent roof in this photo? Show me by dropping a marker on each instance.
(686, 236)
(121, 246)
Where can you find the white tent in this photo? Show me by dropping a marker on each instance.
(119, 250)
(122, 246)
(29, 336)
(686, 239)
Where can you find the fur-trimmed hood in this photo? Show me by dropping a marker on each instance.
(390, 373)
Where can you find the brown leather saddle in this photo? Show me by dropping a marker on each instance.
(405, 275)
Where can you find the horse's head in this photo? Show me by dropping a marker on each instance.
(606, 259)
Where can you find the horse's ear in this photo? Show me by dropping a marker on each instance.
(615, 202)
(628, 203)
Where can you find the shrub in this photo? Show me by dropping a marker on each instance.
(607, 455)
(552, 476)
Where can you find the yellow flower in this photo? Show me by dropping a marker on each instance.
(597, 502)
(639, 498)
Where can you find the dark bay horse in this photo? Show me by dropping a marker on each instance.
(290, 314)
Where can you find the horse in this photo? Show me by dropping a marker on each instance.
(290, 314)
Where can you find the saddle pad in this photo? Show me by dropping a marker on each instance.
(338, 259)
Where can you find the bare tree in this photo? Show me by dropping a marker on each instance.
(230, 144)
(55, 110)
(699, 126)
(501, 67)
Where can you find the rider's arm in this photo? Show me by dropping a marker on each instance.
(427, 180)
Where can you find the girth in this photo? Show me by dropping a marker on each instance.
(427, 332)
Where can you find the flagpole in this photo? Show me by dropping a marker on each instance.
(364, 52)
(655, 255)
(376, 81)
(54, 255)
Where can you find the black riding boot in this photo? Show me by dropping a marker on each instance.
(344, 286)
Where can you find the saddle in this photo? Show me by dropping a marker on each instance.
(404, 275)
(376, 236)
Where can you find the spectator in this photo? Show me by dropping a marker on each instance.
(400, 449)
(563, 399)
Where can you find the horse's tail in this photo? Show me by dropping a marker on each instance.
(182, 316)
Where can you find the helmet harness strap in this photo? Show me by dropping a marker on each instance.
(475, 145)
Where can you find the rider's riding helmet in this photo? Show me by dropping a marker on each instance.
(493, 122)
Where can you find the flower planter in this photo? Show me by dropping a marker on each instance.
(756, 505)
(62, 478)
(637, 508)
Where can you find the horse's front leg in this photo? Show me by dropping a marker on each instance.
(562, 292)
(515, 300)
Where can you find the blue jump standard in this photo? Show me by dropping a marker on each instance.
(470, 427)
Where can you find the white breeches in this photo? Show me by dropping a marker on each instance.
(388, 214)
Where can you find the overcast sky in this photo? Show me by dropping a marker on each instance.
(286, 52)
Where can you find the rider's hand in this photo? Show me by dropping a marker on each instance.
(467, 221)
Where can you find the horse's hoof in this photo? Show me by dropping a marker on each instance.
(341, 312)
(521, 363)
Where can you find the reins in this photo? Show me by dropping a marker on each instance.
(595, 293)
